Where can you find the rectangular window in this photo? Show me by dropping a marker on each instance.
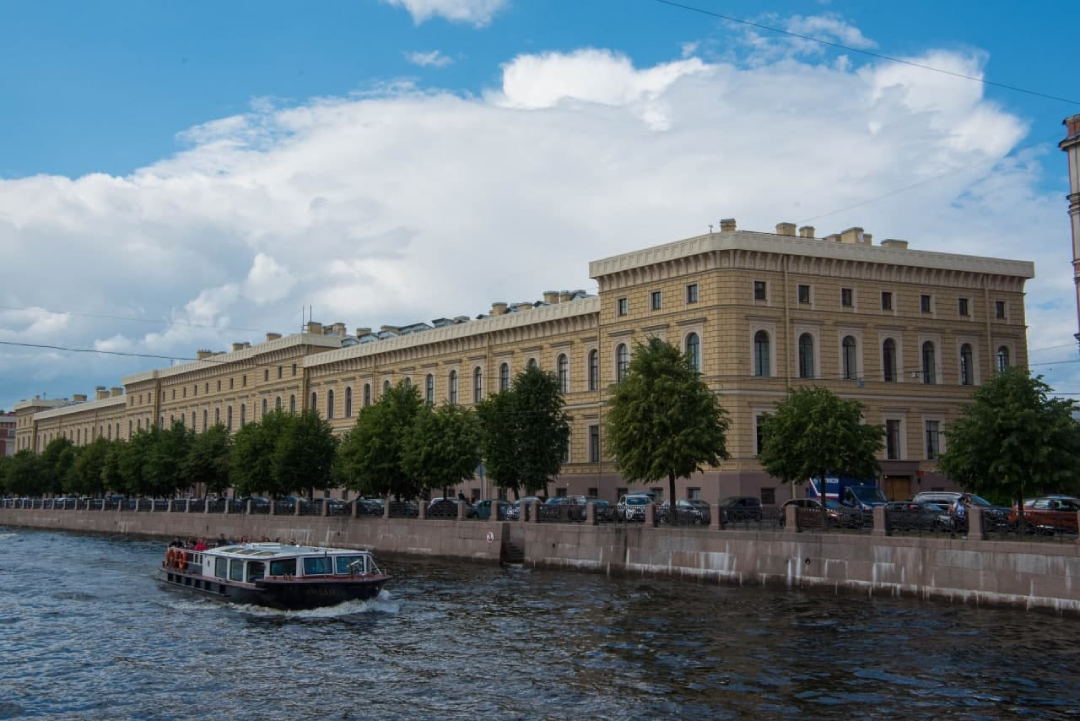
(768, 496)
(655, 300)
(999, 309)
(886, 300)
(593, 492)
(804, 294)
(266, 374)
(924, 303)
(279, 371)
(691, 293)
(594, 444)
(318, 566)
(846, 298)
(658, 494)
(693, 494)
(232, 383)
(621, 307)
(294, 369)
(243, 381)
(219, 385)
(759, 436)
(761, 291)
(892, 440)
(932, 440)
(236, 570)
(964, 311)
(221, 566)
(620, 492)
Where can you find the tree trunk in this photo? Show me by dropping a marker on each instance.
(671, 490)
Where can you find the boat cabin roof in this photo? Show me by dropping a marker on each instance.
(260, 551)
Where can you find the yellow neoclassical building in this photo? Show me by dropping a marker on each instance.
(907, 332)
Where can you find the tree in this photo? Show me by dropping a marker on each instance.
(304, 455)
(86, 478)
(814, 432)
(498, 426)
(208, 459)
(371, 457)
(1014, 439)
(443, 447)
(254, 453)
(24, 474)
(111, 477)
(542, 428)
(164, 473)
(54, 465)
(132, 462)
(663, 420)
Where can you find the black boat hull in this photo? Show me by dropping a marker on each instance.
(285, 595)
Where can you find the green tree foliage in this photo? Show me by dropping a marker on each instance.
(208, 459)
(498, 440)
(304, 456)
(813, 433)
(5, 468)
(442, 448)
(1014, 439)
(56, 461)
(24, 474)
(111, 477)
(252, 468)
(165, 473)
(663, 420)
(86, 478)
(371, 458)
(133, 460)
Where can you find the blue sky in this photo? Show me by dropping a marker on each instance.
(396, 141)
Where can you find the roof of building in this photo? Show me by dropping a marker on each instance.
(80, 407)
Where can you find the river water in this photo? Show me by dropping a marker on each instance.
(86, 632)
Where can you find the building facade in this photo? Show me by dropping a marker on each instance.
(908, 333)
(7, 433)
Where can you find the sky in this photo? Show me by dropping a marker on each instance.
(177, 176)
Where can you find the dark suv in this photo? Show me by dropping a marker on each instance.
(740, 508)
(994, 517)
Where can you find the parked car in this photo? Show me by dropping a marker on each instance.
(337, 507)
(687, 511)
(1047, 514)
(258, 504)
(513, 513)
(836, 513)
(631, 507)
(370, 506)
(994, 517)
(447, 508)
(740, 508)
(920, 516)
(482, 509)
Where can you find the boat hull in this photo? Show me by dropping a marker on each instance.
(286, 595)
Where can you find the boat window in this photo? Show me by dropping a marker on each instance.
(220, 567)
(236, 570)
(318, 566)
(343, 563)
(284, 567)
(255, 571)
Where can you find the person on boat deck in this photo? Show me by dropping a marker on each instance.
(222, 541)
(201, 545)
(176, 542)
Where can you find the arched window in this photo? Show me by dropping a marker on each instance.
(385, 386)
(504, 376)
(532, 364)
(762, 364)
(452, 390)
(330, 404)
(806, 356)
(228, 417)
(408, 382)
(562, 364)
(429, 389)
(243, 414)
(348, 402)
(217, 416)
(314, 402)
(367, 394)
(266, 406)
(594, 369)
(888, 360)
(204, 419)
(110, 431)
(693, 351)
(118, 430)
(292, 405)
(1002, 359)
(193, 420)
(277, 403)
(967, 370)
(622, 362)
(851, 368)
(477, 385)
(928, 363)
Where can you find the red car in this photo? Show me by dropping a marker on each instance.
(1048, 514)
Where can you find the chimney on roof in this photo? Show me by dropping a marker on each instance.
(727, 225)
(203, 354)
(338, 328)
(361, 332)
(237, 346)
(391, 328)
(894, 244)
(100, 392)
(852, 236)
(78, 398)
(807, 231)
(785, 229)
(498, 308)
(551, 297)
(272, 336)
(834, 238)
(523, 306)
(566, 296)
(314, 328)
(116, 391)
(247, 344)
(868, 239)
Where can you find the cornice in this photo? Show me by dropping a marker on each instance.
(81, 407)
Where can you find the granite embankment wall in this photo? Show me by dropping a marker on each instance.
(1026, 574)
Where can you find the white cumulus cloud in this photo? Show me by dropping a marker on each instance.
(434, 58)
(473, 12)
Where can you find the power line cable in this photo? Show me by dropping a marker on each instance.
(870, 53)
(131, 319)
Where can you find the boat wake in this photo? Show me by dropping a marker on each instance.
(383, 603)
(5, 536)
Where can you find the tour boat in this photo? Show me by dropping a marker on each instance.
(278, 575)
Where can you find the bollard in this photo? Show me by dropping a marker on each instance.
(422, 512)
(273, 507)
(791, 519)
(976, 531)
(534, 511)
(880, 525)
(296, 508)
(187, 507)
(650, 514)
(386, 508)
(356, 507)
(326, 507)
(715, 517)
(250, 506)
(590, 514)
(461, 510)
(206, 504)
